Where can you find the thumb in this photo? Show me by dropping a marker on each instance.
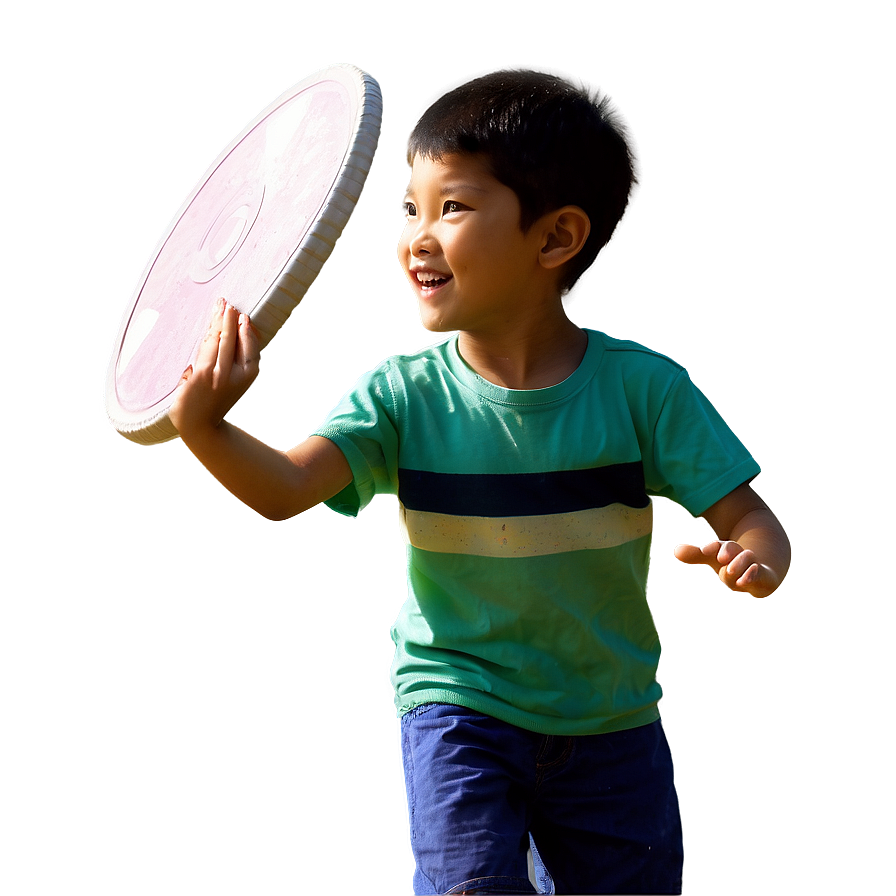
(689, 553)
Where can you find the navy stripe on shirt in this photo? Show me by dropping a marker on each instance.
(522, 494)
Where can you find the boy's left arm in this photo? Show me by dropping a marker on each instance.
(753, 551)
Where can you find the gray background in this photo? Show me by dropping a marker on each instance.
(194, 700)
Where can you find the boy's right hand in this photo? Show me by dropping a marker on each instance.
(277, 484)
(225, 367)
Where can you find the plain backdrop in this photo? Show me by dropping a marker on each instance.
(194, 700)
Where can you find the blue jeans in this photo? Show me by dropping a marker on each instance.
(601, 809)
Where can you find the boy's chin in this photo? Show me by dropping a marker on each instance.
(435, 324)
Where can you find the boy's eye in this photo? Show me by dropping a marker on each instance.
(451, 206)
(410, 209)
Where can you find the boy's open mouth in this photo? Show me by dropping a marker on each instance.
(430, 280)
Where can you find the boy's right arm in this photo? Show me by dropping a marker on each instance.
(277, 484)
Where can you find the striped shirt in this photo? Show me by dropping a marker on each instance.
(528, 519)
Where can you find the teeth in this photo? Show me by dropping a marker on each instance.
(428, 279)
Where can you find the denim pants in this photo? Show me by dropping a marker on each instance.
(599, 811)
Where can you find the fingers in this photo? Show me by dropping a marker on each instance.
(734, 560)
(230, 340)
(247, 350)
(727, 558)
(729, 551)
(745, 573)
(227, 342)
(751, 579)
(225, 367)
(737, 568)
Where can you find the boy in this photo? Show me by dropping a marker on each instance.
(524, 452)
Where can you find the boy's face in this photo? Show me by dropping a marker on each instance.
(468, 261)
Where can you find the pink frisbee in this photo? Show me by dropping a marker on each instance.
(256, 230)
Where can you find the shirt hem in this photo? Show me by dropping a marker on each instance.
(538, 724)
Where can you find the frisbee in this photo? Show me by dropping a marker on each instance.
(256, 231)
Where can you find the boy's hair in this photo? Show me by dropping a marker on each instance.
(552, 143)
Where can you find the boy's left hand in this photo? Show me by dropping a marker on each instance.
(752, 553)
(736, 566)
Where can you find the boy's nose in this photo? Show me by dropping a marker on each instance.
(422, 242)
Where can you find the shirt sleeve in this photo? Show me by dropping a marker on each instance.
(363, 427)
(696, 458)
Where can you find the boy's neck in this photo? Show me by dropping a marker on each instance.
(532, 354)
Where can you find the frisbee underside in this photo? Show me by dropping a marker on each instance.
(256, 231)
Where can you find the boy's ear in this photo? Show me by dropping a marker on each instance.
(566, 231)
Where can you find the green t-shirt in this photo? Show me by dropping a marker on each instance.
(528, 521)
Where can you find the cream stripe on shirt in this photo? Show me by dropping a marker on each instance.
(526, 536)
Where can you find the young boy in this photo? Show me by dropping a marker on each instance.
(523, 451)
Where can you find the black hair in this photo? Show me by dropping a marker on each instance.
(552, 143)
